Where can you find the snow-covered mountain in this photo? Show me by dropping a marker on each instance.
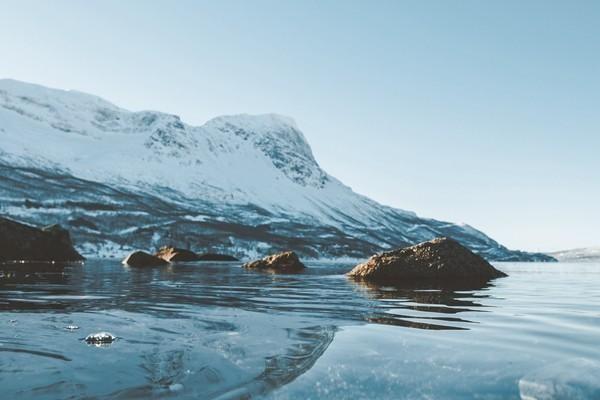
(240, 184)
(586, 254)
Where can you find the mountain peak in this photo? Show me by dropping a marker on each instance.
(279, 138)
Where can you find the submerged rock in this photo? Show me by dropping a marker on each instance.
(440, 259)
(281, 262)
(574, 379)
(100, 338)
(143, 259)
(173, 254)
(217, 257)
(20, 242)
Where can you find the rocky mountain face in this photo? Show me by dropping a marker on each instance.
(244, 185)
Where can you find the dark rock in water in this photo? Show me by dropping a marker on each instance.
(440, 259)
(20, 242)
(100, 338)
(217, 257)
(281, 262)
(143, 259)
(173, 254)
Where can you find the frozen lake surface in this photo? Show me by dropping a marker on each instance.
(214, 330)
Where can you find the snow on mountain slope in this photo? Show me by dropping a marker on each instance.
(245, 171)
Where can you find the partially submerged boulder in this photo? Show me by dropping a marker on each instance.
(20, 242)
(441, 260)
(217, 257)
(143, 259)
(173, 254)
(282, 262)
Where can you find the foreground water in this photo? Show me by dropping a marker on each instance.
(217, 331)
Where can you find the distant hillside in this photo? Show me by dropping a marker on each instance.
(578, 255)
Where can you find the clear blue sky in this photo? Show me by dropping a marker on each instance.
(470, 111)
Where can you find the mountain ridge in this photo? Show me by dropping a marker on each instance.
(580, 254)
(232, 177)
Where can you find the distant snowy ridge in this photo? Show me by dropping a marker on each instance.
(589, 254)
(247, 184)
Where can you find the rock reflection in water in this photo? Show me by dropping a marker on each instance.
(424, 298)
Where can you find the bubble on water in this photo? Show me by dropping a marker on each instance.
(573, 379)
(100, 338)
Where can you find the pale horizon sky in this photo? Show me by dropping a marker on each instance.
(485, 113)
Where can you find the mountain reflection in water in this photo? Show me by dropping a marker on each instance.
(209, 330)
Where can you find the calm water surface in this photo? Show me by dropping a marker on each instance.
(214, 330)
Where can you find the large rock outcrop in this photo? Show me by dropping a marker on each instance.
(20, 242)
(282, 262)
(143, 259)
(441, 260)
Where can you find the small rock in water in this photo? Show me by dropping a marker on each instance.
(176, 387)
(100, 338)
(71, 327)
(281, 262)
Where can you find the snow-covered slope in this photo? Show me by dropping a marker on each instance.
(247, 184)
(587, 254)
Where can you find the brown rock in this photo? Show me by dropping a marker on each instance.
(172, 254)
(282, 262)
(440, 259)
(143, 259)
(20, 242)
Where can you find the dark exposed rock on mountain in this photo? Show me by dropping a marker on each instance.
(143, 259)
(20, 242)
(282, 262)
(217, 257)
(441, 259)
(173, 254)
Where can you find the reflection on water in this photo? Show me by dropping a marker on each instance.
(215, 330)
(429, 302)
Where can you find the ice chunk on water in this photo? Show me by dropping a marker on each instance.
(574, 379)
